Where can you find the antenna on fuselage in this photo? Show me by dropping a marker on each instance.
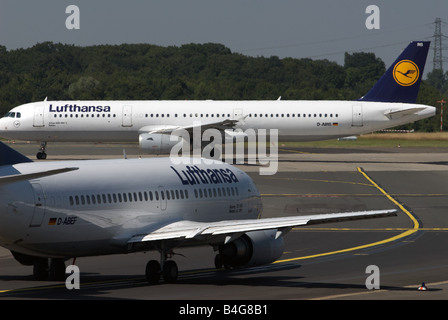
(124, 154)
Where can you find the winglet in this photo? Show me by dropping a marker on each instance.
(401, 82)
(9, 156)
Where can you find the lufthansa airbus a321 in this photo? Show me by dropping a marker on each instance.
(391, 102)
(54, 211)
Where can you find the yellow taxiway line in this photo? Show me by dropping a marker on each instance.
(407, 231)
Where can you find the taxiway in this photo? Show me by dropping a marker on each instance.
(320, 262)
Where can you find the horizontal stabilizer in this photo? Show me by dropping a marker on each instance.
(396, 114)
(35, 175)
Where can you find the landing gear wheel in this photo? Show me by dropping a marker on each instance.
(153, 272)
(170, 271)
(40, 269)
(41, 155)
(57, 270)
(218, 262)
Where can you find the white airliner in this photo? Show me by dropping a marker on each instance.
(391, 102)
(53, 211)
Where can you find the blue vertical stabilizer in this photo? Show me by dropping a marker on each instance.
(401, 81)
(9, 156)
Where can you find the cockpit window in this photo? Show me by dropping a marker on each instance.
(13, 115)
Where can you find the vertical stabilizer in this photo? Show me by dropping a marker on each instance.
(9, 156)
(401, 81)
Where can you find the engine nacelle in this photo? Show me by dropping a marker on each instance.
(156, 143)
(252, 249)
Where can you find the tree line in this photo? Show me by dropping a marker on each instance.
(190, 72)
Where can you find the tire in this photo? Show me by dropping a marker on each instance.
(170, 271)
(153, 272)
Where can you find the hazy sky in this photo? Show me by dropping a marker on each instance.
(318, 29)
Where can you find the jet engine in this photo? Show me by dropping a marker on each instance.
(251, 249)
(156, 143)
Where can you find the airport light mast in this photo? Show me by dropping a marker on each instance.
(442, 103)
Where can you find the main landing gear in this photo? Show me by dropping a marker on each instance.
(49, 269)
(166, 268)
(41, 155)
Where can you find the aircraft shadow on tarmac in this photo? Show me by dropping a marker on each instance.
(95, 286)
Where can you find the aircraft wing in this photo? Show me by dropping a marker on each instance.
(35, 175)
(220, 125)
(184, 230)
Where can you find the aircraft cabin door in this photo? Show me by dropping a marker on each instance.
(357, 116)
(127, 116)
(38, 116)
(39, 205)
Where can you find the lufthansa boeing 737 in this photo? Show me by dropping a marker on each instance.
(391, 102)
(53, 211)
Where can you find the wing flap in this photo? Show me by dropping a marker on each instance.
(183, 230)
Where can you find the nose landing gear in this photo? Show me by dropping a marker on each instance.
(41, 155)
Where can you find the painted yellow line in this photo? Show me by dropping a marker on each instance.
(418, 195)
(408, 232)
(323, 180)
(416, 224)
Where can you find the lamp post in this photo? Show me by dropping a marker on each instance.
(442, 102)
